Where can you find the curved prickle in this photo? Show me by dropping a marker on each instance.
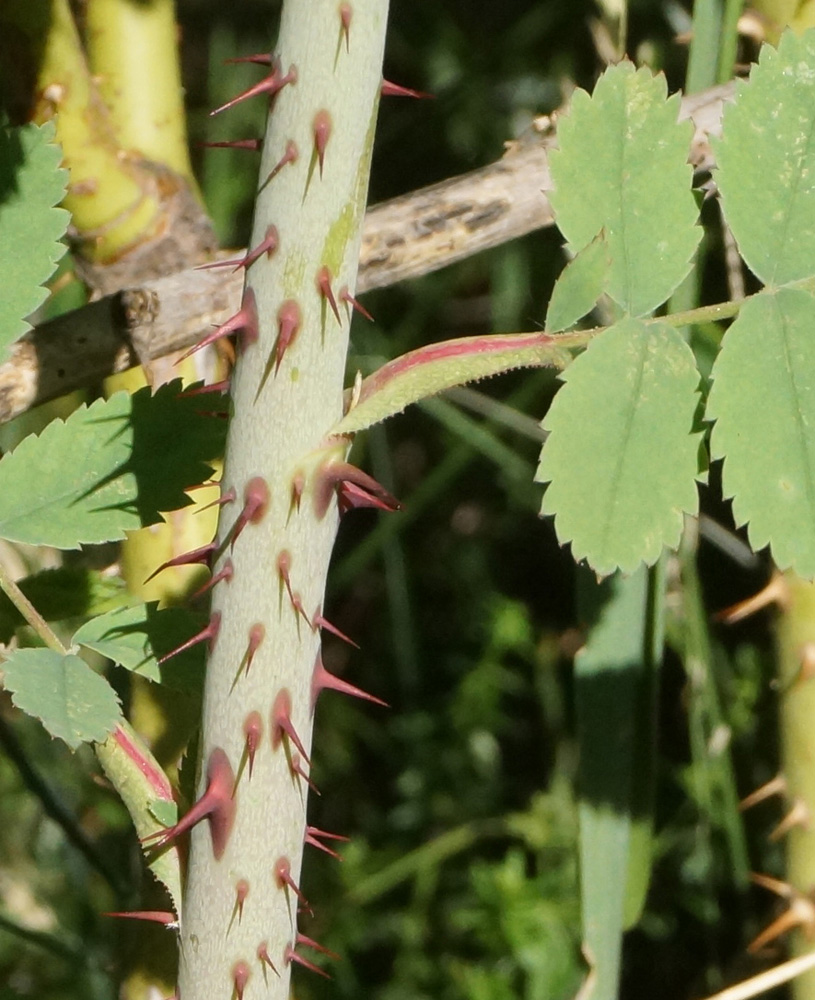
(244, 321)
(271, 85)
(208, 634)
(322, 680)
(216, 805)
(283, 726)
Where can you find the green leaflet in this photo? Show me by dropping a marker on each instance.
(136, 637)
(31, 184)
(579, 285)
(621, 457)
(622, 166)
(71, 700)
(175, 438)
(766, 159)
(763, 402)
(109, 468)
(429, 370)
(69, 486)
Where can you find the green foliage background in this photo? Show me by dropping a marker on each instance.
(461, 877)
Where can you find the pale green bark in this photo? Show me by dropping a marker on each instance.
(278, 430)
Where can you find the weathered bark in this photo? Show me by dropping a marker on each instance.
(404, 238)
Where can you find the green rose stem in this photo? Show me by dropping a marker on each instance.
(283, 473)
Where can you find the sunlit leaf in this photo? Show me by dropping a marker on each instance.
(766, 160)
(31, 227)
(137, 637)
(64, 693)
(763, 402)
(621, 457)
(622, 166)
(109, 468)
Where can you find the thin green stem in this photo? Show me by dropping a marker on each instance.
(704, 47)
(728, 48)
(30, 613)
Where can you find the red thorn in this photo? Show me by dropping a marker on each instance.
(271, 84)
(297, 604)
(290, 955)
(284, 569)
(313, 842)
(324, 288)
(313, 837)
(353, 495)
(207, 634)
(255, 145)
(394, 90)
(284, 572)
(154, 916)
(308, 942)
(226, 573)
(297, 771)
(255, 505)
(284, 879)
(187, 559)
(257, 633)
(322, 680)
(290, 155)
(346, 296)
(267, 246)
(225, 498)
(202, 390)
(298, 484)
(260, 59)
(216, 805)
(346, 13)
(289, 319)
(354, 488)
(282, 724)
(240, 977)
(245, 320)
(252, 730)
(263, 957)
(235, 262)
(241, 892)
(322, 133)
(320, 621)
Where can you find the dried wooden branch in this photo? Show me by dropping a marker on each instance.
(403, 238)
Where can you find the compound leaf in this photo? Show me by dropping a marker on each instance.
(621, 457)
(31, 185)
(766, 159)
(763, 402)
(71, 700)
(622, 166)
